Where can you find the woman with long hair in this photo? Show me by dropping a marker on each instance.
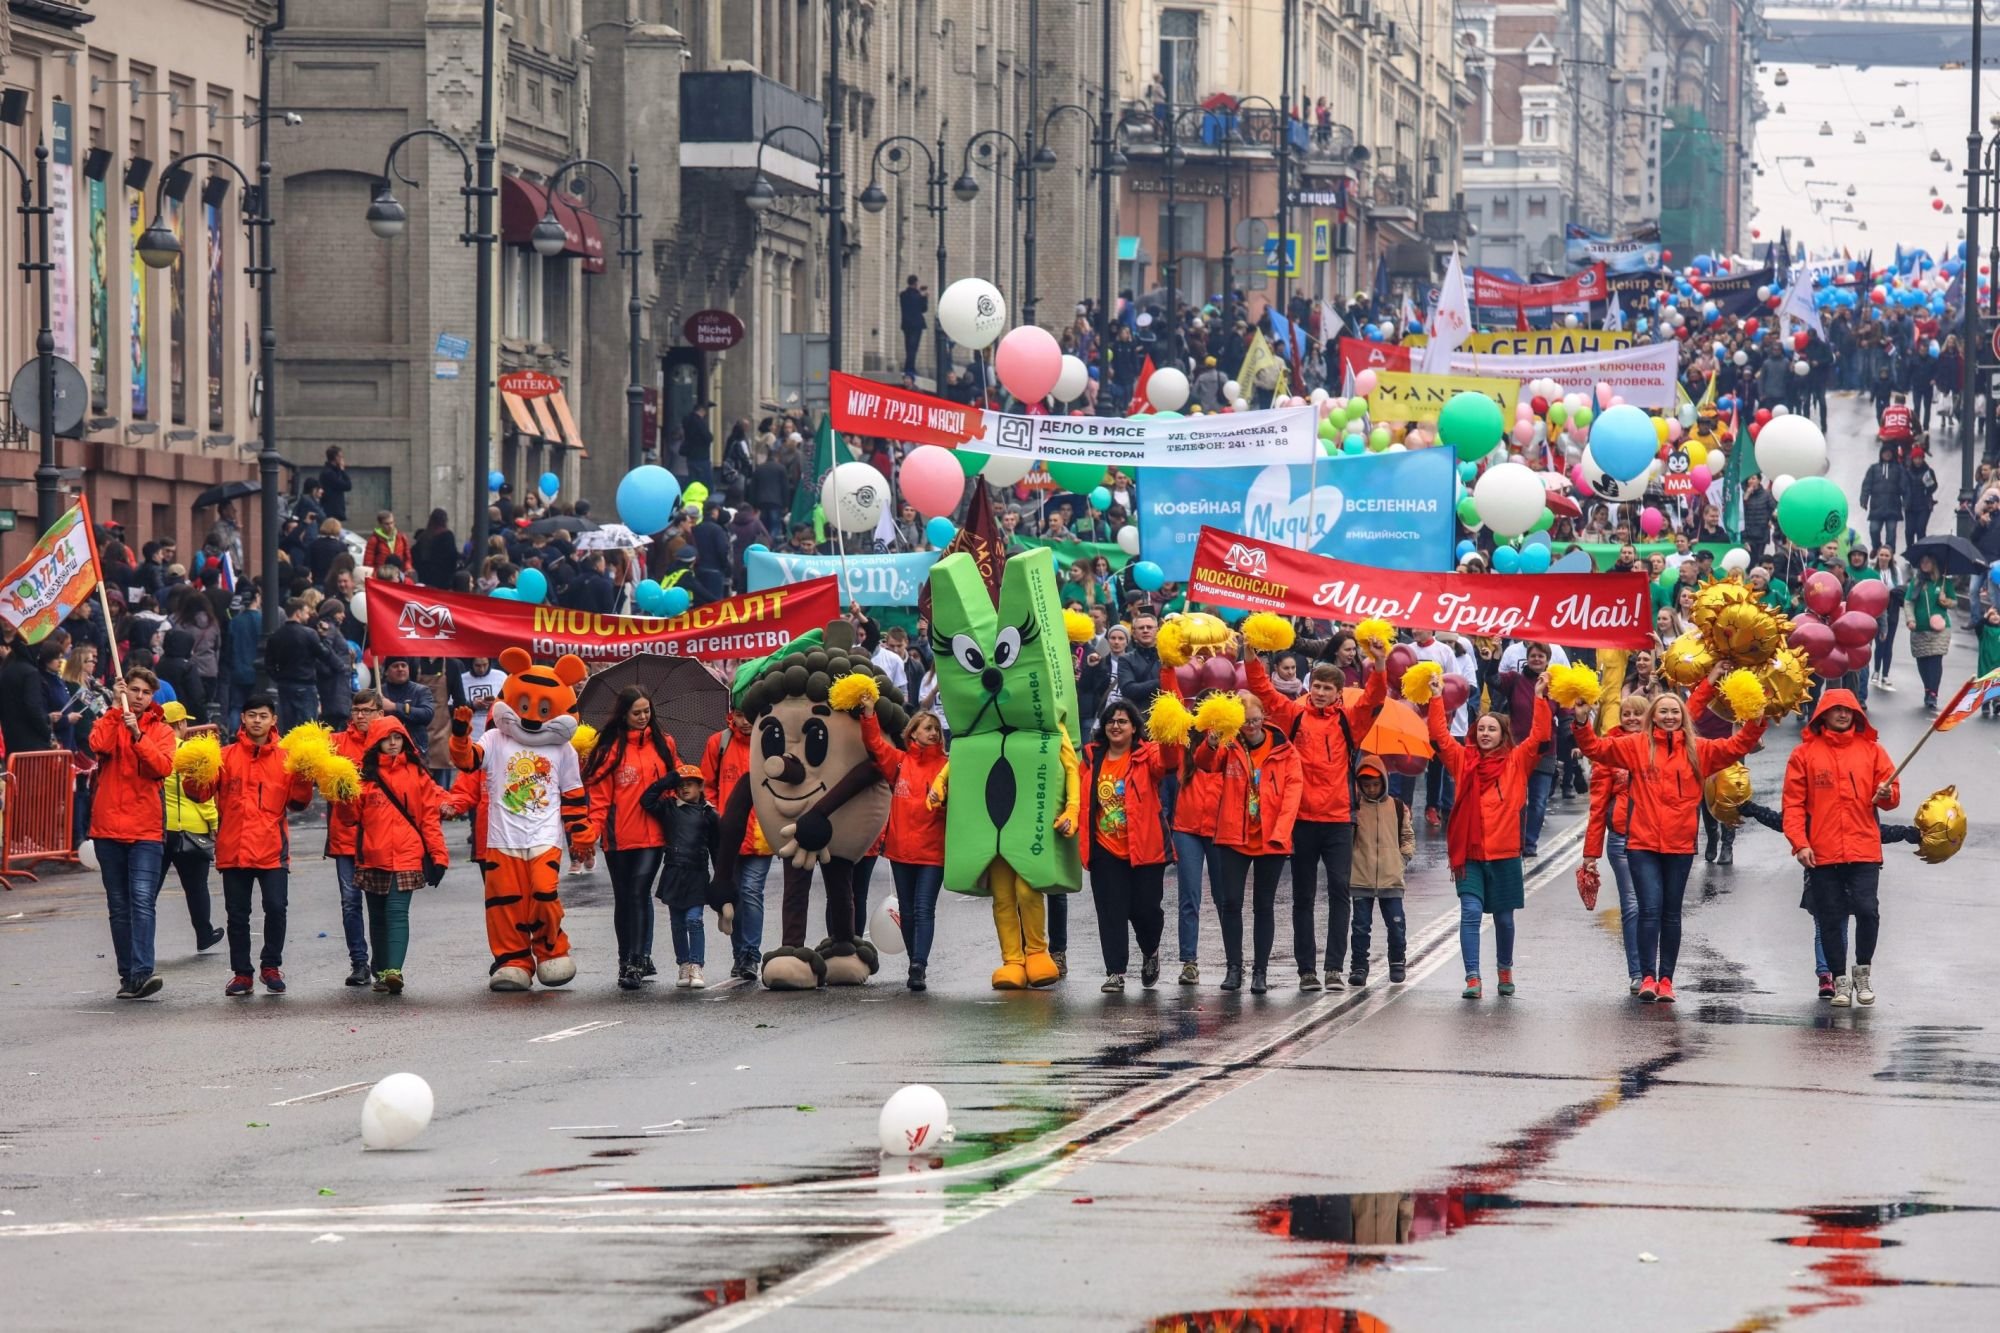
(1927, 604)
(1668, 761)
(915, 839)
(1125, 841)
(631, 754)
(1609, 823)
(436, 552)
(1892, 576)
(1257, 807)
(399, 847)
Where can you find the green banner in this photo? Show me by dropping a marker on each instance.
(1602, 554)
(1071, 552)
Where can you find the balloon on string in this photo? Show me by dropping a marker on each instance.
(1081, 478)
(1100, 498)
(1506, 560)
(1509, 496)
(1466, 548)
(675, 601)
(647, 497)
(357, 605)
(503, 594)
(1779, 485)
(1535, 559)
(1821, 592)
(647, 595)
(550, 483)
(1073, 380)
(1148, 576)
(1128, 539)
(969, 461)
(1005, 469)
(1735, 561)
(1791, 445)
(1869, 596)
(1604, 486)
(531, 585)
(1811, 511)
(1365, 382)
(1651, 521)
(1167, 389)
(852, 496)
(940, 531)
(495, 480)
(972, 312)
(1029, 362)
(1472, 424)
(1468, 511)
(932, 481)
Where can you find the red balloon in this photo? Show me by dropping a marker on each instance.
(1681, 332)
(1408, 765)
(1822, 593)
(1401, 658)
(1189, 676)
(1774, 302)
(1219, 673)
(1878, 296)
(1854, 629)
(1763, 414)
(1750, 326)
(1755, 426)
(1937, 205)
(1539, 405)
(1812, 638)
(1666, 256)
(1455, 692)
(1831, 663)
(1756, 234)
(1869, 596)
(1799, 340)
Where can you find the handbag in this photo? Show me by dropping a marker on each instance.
(433, 869)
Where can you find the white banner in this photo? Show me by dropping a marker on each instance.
(1230, 439)
(1643, 375)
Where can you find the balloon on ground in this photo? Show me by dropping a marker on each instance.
(396, 1111)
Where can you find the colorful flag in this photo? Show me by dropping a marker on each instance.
(806, 499)
(1971, 697)
(53, 581)
(1139, 403)
(1451, 323)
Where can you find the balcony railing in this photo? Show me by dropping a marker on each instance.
(741, 106)
(1221, 125)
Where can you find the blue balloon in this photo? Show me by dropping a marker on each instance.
(647, 497)
(1506, 560)
(1623, 441)
(1148, 576)
(1100, 498)
(675, 601)
(647, 596)
(1373, 333)
(1467, 547)
(940, 531)
(531, 585)
(1231, 615)
(1936, 350)
(1535, 559)
(495, 479)
(757, 547)
(504, 595)
(1468, 473)
(550, 483)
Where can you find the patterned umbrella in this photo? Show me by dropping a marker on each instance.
(691, 703)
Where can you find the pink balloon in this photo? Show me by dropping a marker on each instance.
(1870, 597)
(1029, 362)
(1854, 629)
(1364, 383)
(1833, 662)
(1524, 433)
(1455, 692)
(1699, 475)
(1579, 480)
(932, 481)
(1651, 521)
(1812, 638)
(1822, 593)
(1603, 394)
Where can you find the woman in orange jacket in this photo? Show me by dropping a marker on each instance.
(724, 762)
(1609, 821)
(915, 839)
(1125, 843)
(1194, 854)
(400, 847)
(632, 753)
(1483, 839)
(134, 747)
(1256, 811)
(1667, 761)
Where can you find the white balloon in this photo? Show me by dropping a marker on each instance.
(1006, 469)
(1741, 358)
(913, 1121)
(885, 926)
(1735, 560)
(397, 1110)
(1608, 488)
(1510, 498)
(363, 677)
(1167, 390)
(1779, 485)
(972, 312)
(1791, 445)
(1242, 404)
(1802, 367)
(1232, 391)
(86, 854)
(1128, 539)
(1317, 396)
(358, 606)
(853, 495)
(1570, 321)
(1074, 379)
(1781, 411)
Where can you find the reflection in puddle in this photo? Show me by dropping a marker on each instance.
(1936, 1054)
(1840, 1279)
(1270, 1319)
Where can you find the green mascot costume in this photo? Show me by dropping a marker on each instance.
(1009, 692)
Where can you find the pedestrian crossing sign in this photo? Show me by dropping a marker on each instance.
(1282, 262)
(1322, 240)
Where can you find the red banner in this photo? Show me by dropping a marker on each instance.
(1579, 287)
(406, 620)
(1358, 354)
(864, 407)
(1574, 610)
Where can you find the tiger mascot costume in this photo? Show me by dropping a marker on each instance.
(534, 805)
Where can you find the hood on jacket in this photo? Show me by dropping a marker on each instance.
(179, 643)
(384, 727)
(1842, 699)
(1371, 764)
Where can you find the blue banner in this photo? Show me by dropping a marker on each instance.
(872, 580)
(1391, 511)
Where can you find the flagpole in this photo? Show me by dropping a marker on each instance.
(103, 593)
(1932, 731)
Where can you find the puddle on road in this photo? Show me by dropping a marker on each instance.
(1270, 1319)
(1940, 1055)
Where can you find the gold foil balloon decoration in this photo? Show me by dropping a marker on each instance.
(1940, 826)
(1746, 634)
(1686, 660)
(1787, 679)
(1726, 790)
(1717, 596)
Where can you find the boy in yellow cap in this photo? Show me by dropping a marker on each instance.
(190, 840)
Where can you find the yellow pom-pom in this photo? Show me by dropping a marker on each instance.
(584, 741)
(1079, 627)
(198, 759)
(1570, 686)
(1168, 720)
(1421, 681)
(1375, 630)
(851, 691)
(1267, 633)
(1220, 714)
(1173, 645)
(338, 779)
(306, 747)
(1744, 694)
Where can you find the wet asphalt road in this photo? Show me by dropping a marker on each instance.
(1748, 1159)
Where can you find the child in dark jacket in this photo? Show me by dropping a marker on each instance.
(693, 830)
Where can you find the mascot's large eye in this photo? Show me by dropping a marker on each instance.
(967, 653)
(1007, 648)
(545, 708)
(774, 738)
(816, 739)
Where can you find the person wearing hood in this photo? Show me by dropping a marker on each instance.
(1668, 761)
(1836, 779)
(915, 839)
(176, 669)
(400, 845)
(1125, 841)
(1884, 495)
(1259, 800)
(746, 529)
(134, 748)
(1385, 839)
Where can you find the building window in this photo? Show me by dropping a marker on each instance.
(555, 299)
(1538, 129)
(1538, 207)
(1180, 55)
(1500, 208)
(559, 104)
(534, 94)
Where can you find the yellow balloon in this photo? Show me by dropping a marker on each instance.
(1686, 660)
(1746, 634)
(1786, 678)
(1697, 452)
(1660, 429)
(1726, 792)
(1940, 826)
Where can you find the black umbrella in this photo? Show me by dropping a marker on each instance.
(691, 703)
(1954, 556)
(228, 490)
(569, 523)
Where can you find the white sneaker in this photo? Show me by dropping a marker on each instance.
(1884, 684)
(1864, 993)
(1843, 992)
(694, 981)
(686, 976)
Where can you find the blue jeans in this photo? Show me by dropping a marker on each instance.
(1191, 852)
(1628, 900)
(353, 913)
(1535, 811)
(1660, 878)
(1393, 921)
(1470, 909)
(233, 696)
(690, 936)
(751, 872)
(917, 890)
(132, 873)
(300, 703)
(1819, 946)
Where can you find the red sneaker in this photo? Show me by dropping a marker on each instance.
(1649, 991)
(1666, 995)
(1432, 817)
(1826, 985)
(1506, 981)
(274, 980)
(239, 984)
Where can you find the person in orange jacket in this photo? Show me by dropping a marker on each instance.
(1483, 840)
(351, 743)
(631, 754)
(724, 761)
(467, 796)
(386, 541)
(134, 747)
(1257, 809)
(1668, 761)
(253, 840)
(1194, 853)
(1326, 735)
(915, 840)
(1125, 842)
(1606, 827)
(401, 844)
(1835, 781)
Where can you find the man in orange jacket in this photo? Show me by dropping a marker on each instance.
(134, 748)
(1835, 781)
(724, 761)
(253, 844)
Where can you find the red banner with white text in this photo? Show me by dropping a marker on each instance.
(406, 620)
(1580, 287)
(864, 407)
(1359, 354)
(1574, 610)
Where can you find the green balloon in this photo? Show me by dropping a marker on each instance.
(1545, 522)
(970, 462)
(1166, 414)
(1079, 477)
(1471, 424)
(1331, 445)
(1378, 439)
(1357, 409)
(1813, 511)
(1558, 413)
(1583, 416)
(1328, 428)
(1468, 511)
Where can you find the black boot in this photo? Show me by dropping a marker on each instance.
(1257, 986)
(1232, 977)
(1708, 845)
(1725, 855)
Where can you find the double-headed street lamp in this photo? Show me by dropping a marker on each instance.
(35, 204)
(762, 197)
(873, 199)
(550, 240)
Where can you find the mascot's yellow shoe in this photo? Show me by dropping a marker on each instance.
(1010, 976)
(1042, 970)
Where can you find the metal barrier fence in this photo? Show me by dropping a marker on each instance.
(40, 801)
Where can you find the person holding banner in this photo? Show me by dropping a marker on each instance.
(1262, 787)
(135, 753)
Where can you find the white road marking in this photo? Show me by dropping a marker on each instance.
(583, 1127)
(326, 1094)
(579, 1030)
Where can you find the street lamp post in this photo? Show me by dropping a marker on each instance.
(874, 199)
(762, 197)
(35, 204)
(549, 240)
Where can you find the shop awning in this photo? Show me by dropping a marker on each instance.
(520, 414)
(559, 404)
(524, 203)
(545, 425)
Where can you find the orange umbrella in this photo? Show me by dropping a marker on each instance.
(1398, 729)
